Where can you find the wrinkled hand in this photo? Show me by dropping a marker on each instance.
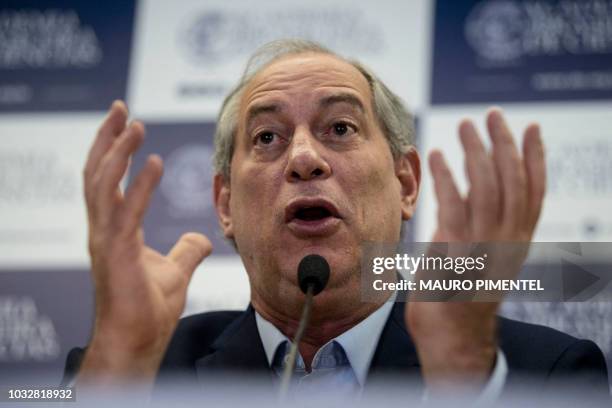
(140, 293)
(456, 341)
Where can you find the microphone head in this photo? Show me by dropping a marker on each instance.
(313, 270)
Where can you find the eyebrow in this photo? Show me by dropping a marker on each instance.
(257, 110)
(342, 98)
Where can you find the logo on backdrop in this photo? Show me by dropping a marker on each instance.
(184, 200)
(25, 333)
(46, 39)
(35, 178)
(63, 56)
(214, 37)
(588, 173)
(495, 30)
(503, 31)
(522, 50)
(184, 185)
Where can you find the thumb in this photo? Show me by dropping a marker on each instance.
(189, 251)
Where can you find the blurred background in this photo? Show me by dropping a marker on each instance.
(63, 62)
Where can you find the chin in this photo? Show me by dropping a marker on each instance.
(342, 270)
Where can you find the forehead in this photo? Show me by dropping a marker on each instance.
(306, 73)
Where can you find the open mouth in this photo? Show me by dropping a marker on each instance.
(310, 210)
(312, 217)
(309, 217)
(312, 214)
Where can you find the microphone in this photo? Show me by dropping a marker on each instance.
(313, 270)
(313, 274)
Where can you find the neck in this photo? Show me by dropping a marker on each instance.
(323, 326)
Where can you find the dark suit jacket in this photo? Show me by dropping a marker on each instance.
(214, 343)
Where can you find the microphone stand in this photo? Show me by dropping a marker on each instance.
(290, 364)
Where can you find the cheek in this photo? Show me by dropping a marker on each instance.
(254, 191)
(377, 192)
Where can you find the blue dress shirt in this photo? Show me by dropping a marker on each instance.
(340, 366)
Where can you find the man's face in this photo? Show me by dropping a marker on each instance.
(311, 172)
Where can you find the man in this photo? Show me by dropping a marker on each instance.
(314, 155)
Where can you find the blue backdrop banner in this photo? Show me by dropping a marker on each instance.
(522, 50)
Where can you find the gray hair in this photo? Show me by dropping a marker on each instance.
(395, 120)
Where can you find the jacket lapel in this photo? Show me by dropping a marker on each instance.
(237, 350)
(395, 356)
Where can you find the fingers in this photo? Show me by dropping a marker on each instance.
(112, 126)
(483, 196)
(111, 169)
(452, 214)
(506, 188)
(139, 193)
(190, 251)
(535, 167)
(510, 170)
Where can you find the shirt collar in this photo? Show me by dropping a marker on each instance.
(270, 336)
(359, 342)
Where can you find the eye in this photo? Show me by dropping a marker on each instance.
(265, 138)
(342, 129)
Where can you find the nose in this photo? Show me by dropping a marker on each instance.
(304, 159)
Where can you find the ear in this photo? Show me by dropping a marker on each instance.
(408, 172)
(222, 205)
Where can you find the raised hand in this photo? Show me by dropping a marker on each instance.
(456, 341)
(140, 293)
